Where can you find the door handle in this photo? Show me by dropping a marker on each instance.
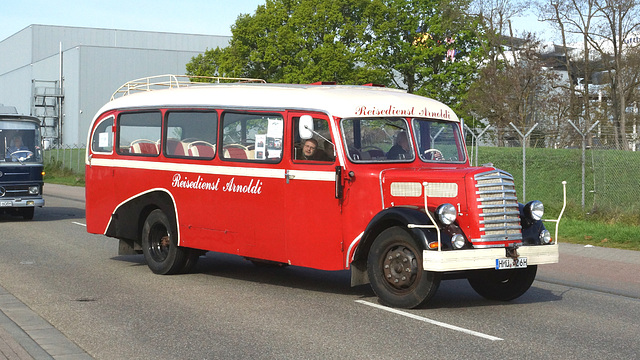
(288, 176)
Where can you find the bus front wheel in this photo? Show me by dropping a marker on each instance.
(394, 266)
(503, 285)
(160, 245)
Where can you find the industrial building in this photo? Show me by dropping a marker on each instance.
(63, 75)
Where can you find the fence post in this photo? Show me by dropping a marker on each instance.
(584, 150)
(476, 138)
(524, 161)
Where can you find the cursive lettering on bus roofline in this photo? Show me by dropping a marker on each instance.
(391, 110)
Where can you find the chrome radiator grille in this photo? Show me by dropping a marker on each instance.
(498, 205)
(14, 191)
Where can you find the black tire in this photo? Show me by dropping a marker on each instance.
(191, 259)
(160, 245)
(503, 285)
(27, 213)
(394, 266)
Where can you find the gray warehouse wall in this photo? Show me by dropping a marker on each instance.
(96, 62)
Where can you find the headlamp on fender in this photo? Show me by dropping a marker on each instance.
(446, 214)
(534, 210)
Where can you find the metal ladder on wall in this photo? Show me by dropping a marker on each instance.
(46, 104)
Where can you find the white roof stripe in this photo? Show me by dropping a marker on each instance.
(343, 101)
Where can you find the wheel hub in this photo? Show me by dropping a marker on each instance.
(400, 267)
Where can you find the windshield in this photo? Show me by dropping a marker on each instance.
(19, 142)
(378, 140)
(389, 140)
(438, 140)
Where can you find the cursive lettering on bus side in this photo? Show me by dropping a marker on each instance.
(198, 184)
(251, 188)
(183, 182)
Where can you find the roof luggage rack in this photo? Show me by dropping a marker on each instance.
(169, 81)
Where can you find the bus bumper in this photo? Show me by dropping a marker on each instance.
(456, 260)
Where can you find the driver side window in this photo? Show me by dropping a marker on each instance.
(318, 148)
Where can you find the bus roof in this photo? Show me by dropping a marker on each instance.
(344, 101)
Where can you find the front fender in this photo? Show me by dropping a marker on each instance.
(396, 216)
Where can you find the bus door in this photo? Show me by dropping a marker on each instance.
(313, 224)
(249, 205)
(100, 175)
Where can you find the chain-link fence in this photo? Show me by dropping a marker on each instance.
(66, 157)
(600, 175)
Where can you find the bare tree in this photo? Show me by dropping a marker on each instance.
(574, 20)
(496, 16)
(618, 20)
(512, 91)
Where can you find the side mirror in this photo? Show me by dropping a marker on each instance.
(305, 127)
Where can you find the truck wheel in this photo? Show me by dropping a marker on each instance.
(27, 213)
(160, 245)
(394, 266)
(503, 285)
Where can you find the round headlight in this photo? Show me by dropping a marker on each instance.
(34, 190)
(545, 236)
(534, 210)
(446, 214)
(457, 241)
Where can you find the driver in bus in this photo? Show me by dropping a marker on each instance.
(310, 151)
(16, 145)
(401, 149)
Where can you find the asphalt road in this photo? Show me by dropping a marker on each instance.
(113, 307)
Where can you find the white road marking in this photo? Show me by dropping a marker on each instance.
(77, 223)
(427, 320)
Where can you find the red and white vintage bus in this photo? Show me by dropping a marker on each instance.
(364, 178)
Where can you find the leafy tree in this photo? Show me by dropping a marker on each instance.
(428, 47)
(294, 41)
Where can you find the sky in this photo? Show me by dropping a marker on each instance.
(206, 17)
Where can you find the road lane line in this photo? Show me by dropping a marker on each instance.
(77, 223)
(427, 320)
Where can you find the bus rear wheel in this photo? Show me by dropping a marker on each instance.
(503, 285)
(160, 245)
(394, 266)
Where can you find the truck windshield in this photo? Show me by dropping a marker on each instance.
(19, 142)
(438, 141)
(378, 140)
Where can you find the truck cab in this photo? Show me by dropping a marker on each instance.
(21, 166)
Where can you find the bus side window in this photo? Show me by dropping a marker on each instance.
(102, 139)
(139, 133)
(191, 134)
(252, 137)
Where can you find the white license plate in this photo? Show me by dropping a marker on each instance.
(6, 203)
(510, 263)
